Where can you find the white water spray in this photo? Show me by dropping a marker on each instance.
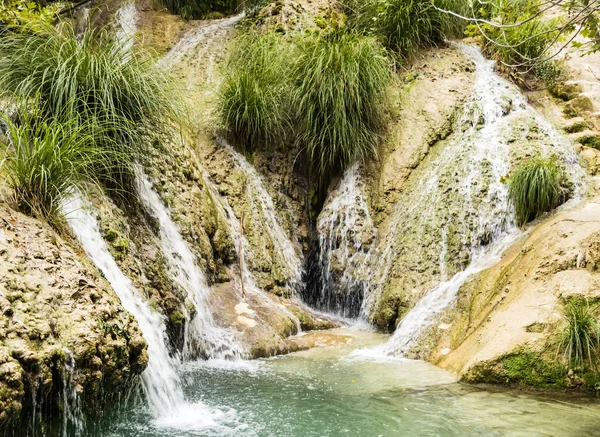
(127, 17)
(260, 197)
(203, 336)
(73, 424)
(160, 381)
(194, 37)
(479, 157)
(346, 232)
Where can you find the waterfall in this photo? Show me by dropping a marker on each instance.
(479, 215)
(346, 233)
(214, 342)
(126, 25)
(246, 281)
(72, 415)
(191, 39)
(261, 198)
(160, 381)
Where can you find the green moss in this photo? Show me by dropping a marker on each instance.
(177, 318)
(526, 367)
(576, 127)
(522, 367)
(591, 141)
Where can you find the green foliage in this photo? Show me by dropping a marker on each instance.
(86, 78)
(327, 91)
(196, 9)
(526, 46)
(406, 25)
(580, 339)
(535, 188)
(253, 96)
(339, 83)
(90, 75)
(44, 160)
(26, 12)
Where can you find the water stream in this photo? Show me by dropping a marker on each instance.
(346, 233)
(161, 382)
(477, 212)
(203, 337)
(260, 198)
(126, 25)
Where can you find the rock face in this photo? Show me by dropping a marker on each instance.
(504, 327)
(58, 313)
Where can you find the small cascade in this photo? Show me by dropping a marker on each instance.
(260, 198)
(126, 25)
(160, 381)
(246, 283)
(474, 221)
(346, 233)
(191, 39)
(424, 313)
(72, 423)
(203, 337)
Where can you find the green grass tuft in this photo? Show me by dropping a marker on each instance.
(535, 188)
(196, 9)
(253, 97)
(407, 25)
(86, 78)
(580, 339)
(43, 161)
(339, 83)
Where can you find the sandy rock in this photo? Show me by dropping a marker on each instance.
(508, 313)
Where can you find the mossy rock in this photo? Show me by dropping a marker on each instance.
(522, 367)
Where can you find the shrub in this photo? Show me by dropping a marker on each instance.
(87, 78)
(44, 160)
(196, 9)
(580, 338)
(253, 103)
(339, 82)
(91, 76)
(406, 25)
(524, 47)
(535, 188)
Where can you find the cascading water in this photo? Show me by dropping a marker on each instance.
(160, 381)
(346, 233)
(191, 39)
(260, 198)
(203, 337)
(246, 281)
(127, 17)
(72, 416)
(477, 217)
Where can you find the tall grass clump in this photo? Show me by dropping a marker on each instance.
(339, 82)
(87, 77)
(535, 188)
(44, 160)
(253, 101)
(580, 339)
(406, 25)
(196, 9)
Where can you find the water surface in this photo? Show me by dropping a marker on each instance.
(323, 392)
